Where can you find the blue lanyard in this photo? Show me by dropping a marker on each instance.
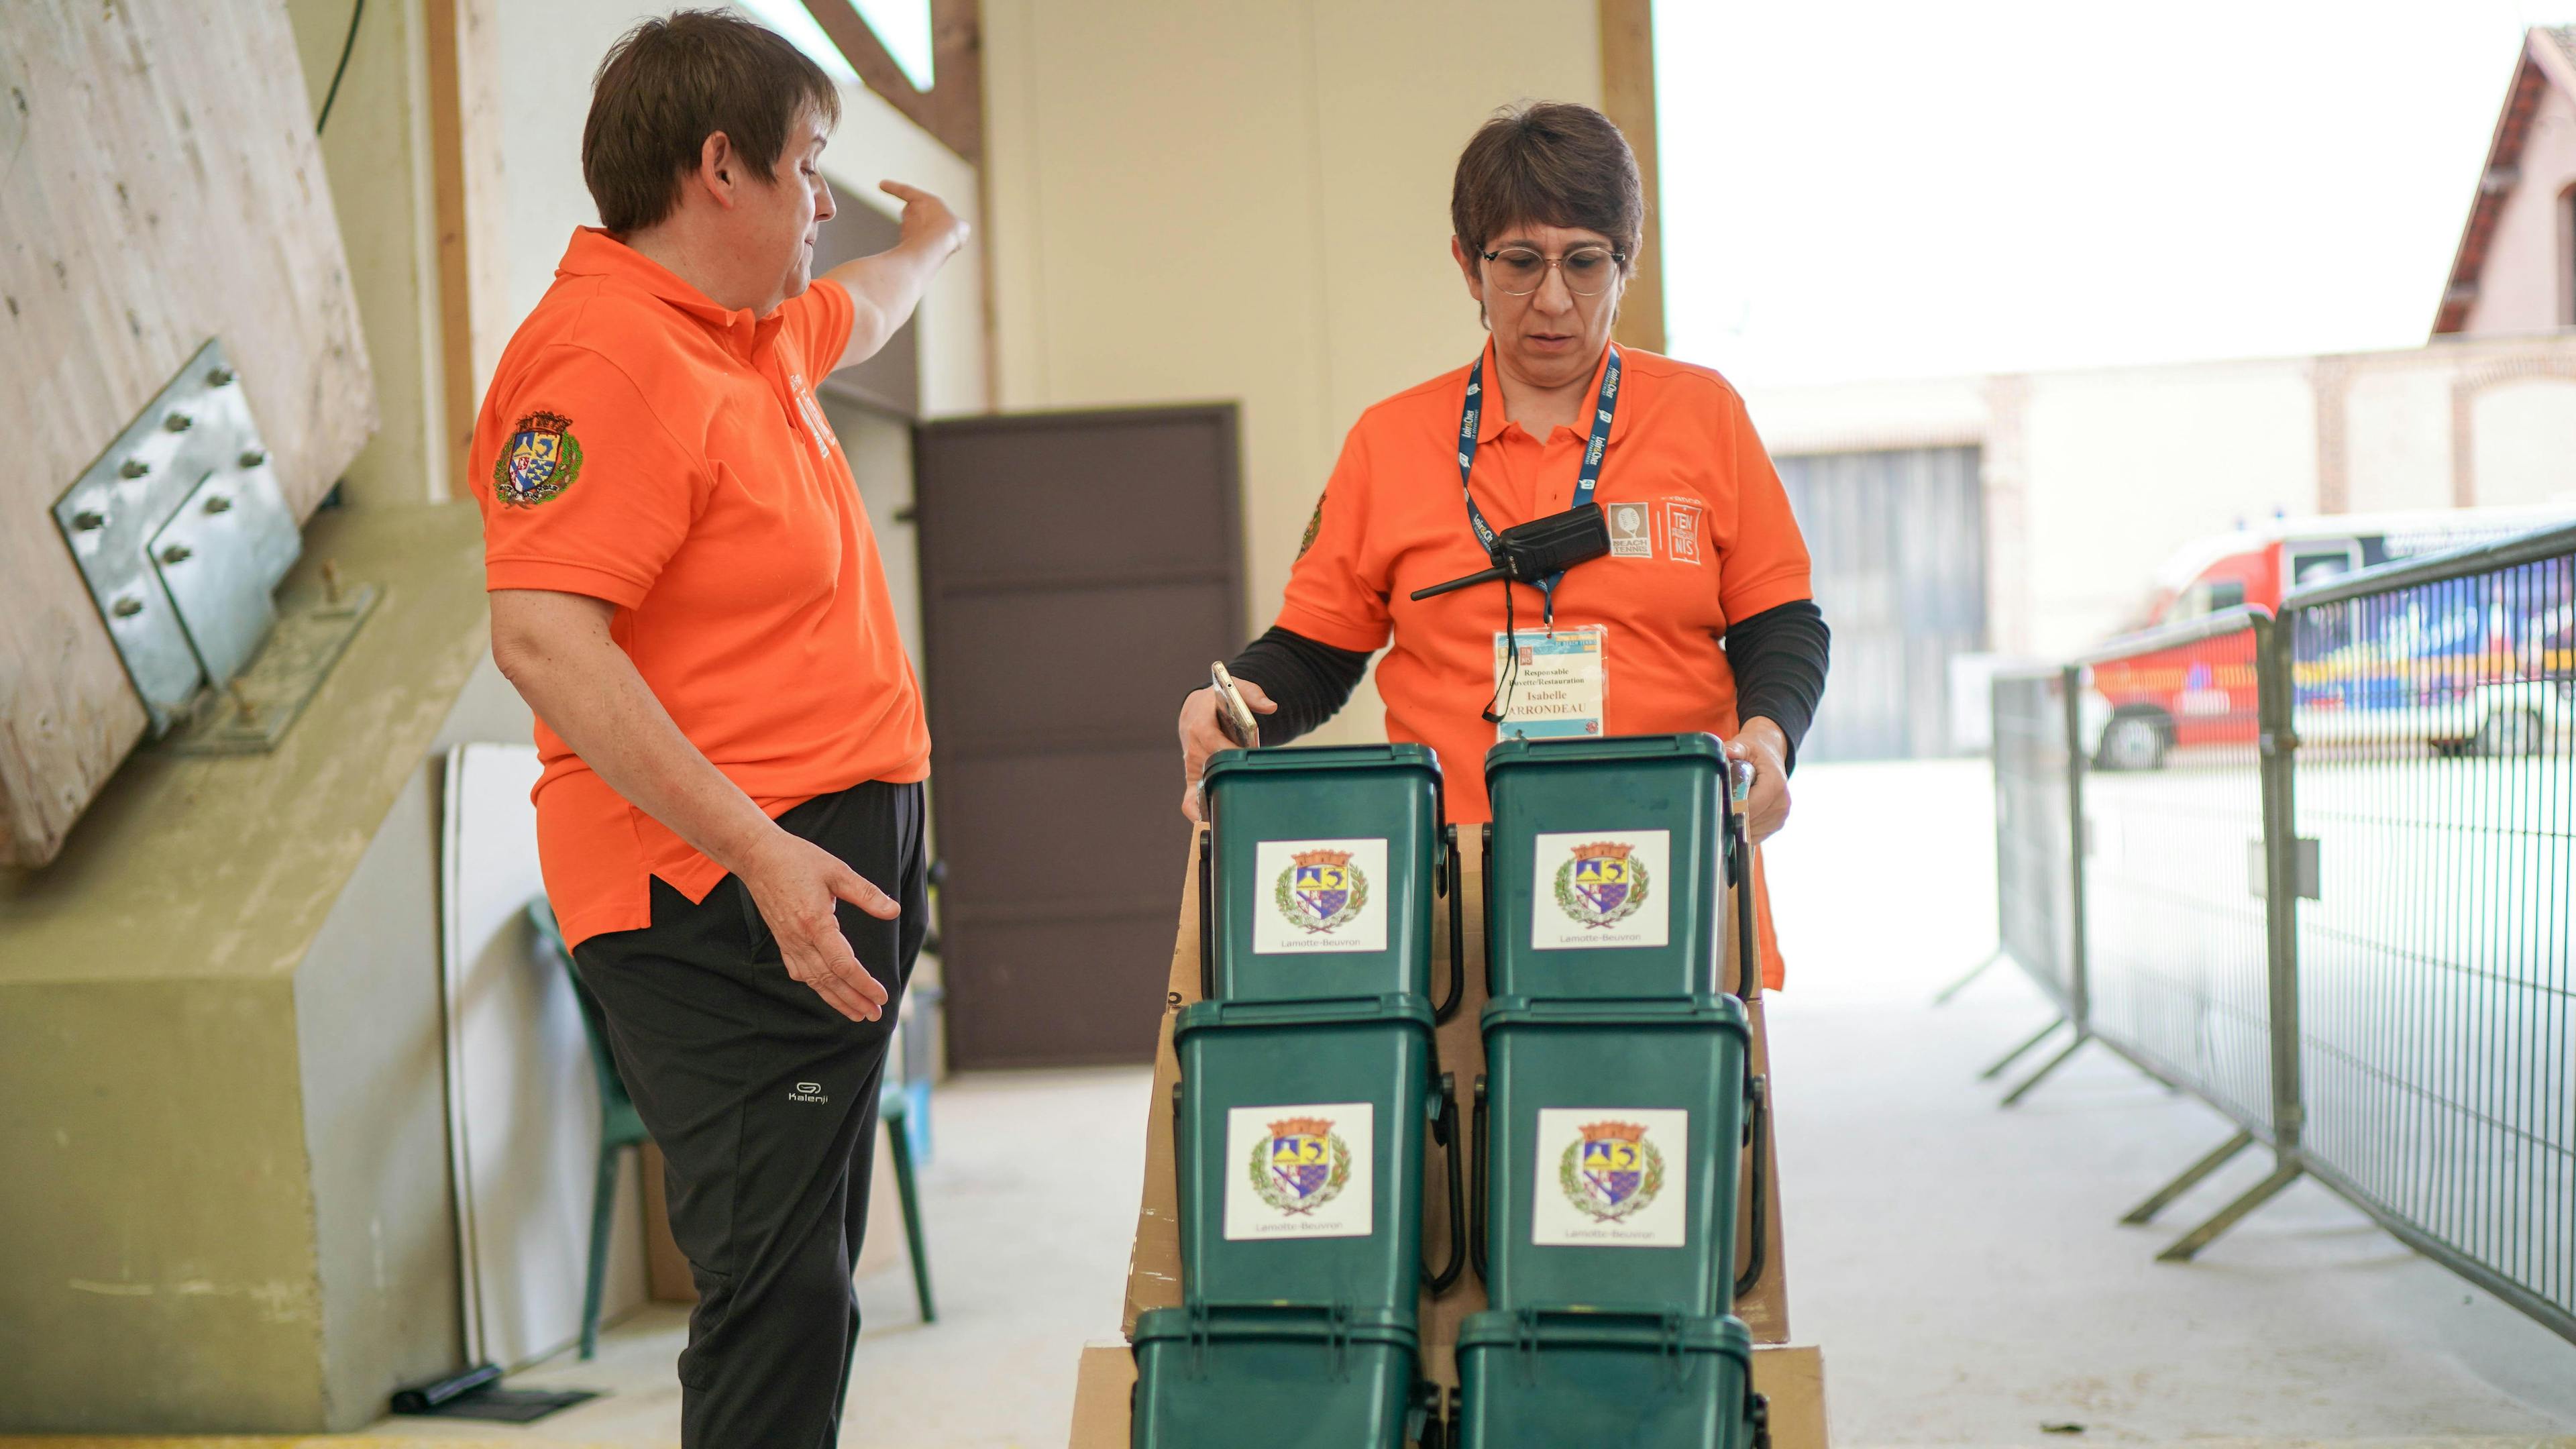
(1584, 482)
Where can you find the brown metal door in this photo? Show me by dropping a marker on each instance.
(1078, 572)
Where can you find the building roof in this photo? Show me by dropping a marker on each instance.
(2548, 58)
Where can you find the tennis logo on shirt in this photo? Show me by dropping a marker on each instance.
(815, 427)
(1682, 525)
(541, 461)
(1632, 531)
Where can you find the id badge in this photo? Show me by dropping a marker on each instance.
(1551, 682)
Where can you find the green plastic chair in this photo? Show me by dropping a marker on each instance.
(621, 1127)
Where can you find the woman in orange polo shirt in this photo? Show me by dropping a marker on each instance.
(1700, 616)
(685, 589)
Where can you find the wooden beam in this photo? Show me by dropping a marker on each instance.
(1628, 98)
(953, 108)
(467, 185)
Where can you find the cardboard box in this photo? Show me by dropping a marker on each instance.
(1153, 1271)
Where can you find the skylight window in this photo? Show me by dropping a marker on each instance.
(791, 19)
(901, 26)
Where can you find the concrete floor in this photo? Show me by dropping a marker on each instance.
(1961, 1265)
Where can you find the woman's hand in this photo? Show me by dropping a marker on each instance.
(1201, 736)
(1761, 742)
(797, 885)
(927, 223)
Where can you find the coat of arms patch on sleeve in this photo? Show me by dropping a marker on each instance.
(540, 461)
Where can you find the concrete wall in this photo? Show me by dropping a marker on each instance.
(2126, 465)
(2093, 478)
(1249, 202)
(218, 1027)
(2528, 283)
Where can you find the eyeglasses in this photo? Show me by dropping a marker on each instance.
(1520, 271)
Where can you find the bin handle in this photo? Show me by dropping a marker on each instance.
(1739, 875)
(1485, 865)
(1422, 1422)
(1453, 885)
(1207, 920)
(1757, 1134)
(1444, 1130)
(1476, 1193)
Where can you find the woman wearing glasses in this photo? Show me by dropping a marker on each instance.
(1699, 618)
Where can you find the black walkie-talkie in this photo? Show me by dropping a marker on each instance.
(1528, 552)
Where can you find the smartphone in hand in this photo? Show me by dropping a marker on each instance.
(1232, 715)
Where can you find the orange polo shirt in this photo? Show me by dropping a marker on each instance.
(642, 445)
(1710, 540)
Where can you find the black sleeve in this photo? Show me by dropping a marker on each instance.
(1779, 658)
(1308, 680)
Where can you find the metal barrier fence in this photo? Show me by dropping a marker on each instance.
(2319, 871)
(2033, 852)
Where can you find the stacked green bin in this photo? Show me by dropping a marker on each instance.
(1274, 1376)
(1300, 1135)
(1535, 1379)
(1309, 1086)
(1611, 1123)
(1607, 1168)
(1605, 867)
(1319, 872)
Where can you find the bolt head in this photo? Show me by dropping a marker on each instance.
(128, 608)
(220, 377)
(89, 520)
(177, 553)
(219, 504)
(133, 468)
(253, 457)
(178, 422)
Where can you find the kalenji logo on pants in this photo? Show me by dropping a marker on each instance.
(808, 1092)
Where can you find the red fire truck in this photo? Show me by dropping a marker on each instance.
(2458, 666)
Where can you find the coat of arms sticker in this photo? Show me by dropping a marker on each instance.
(1602, 888)
(1611, 1177)
(1300, 1171)
(1319, 895)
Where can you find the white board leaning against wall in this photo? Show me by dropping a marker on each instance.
(523, 1105)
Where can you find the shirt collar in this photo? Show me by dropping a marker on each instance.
(1491, 423)
(595, 253)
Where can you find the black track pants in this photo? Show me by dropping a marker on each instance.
(764, 1101)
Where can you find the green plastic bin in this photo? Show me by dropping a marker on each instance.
(1541, 1379)
(1605, 866)
(1320, 873)
(1274, 1376)
(1608, 1140)
(1299, 1142)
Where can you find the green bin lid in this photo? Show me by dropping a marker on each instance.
(1284, 1321)
(1546, 1328)
(1638, 1014)
(1327, 1011)
(1630, 748)
(1323, 757)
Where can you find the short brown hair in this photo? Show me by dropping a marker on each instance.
(1554, 163)
(667, 85)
